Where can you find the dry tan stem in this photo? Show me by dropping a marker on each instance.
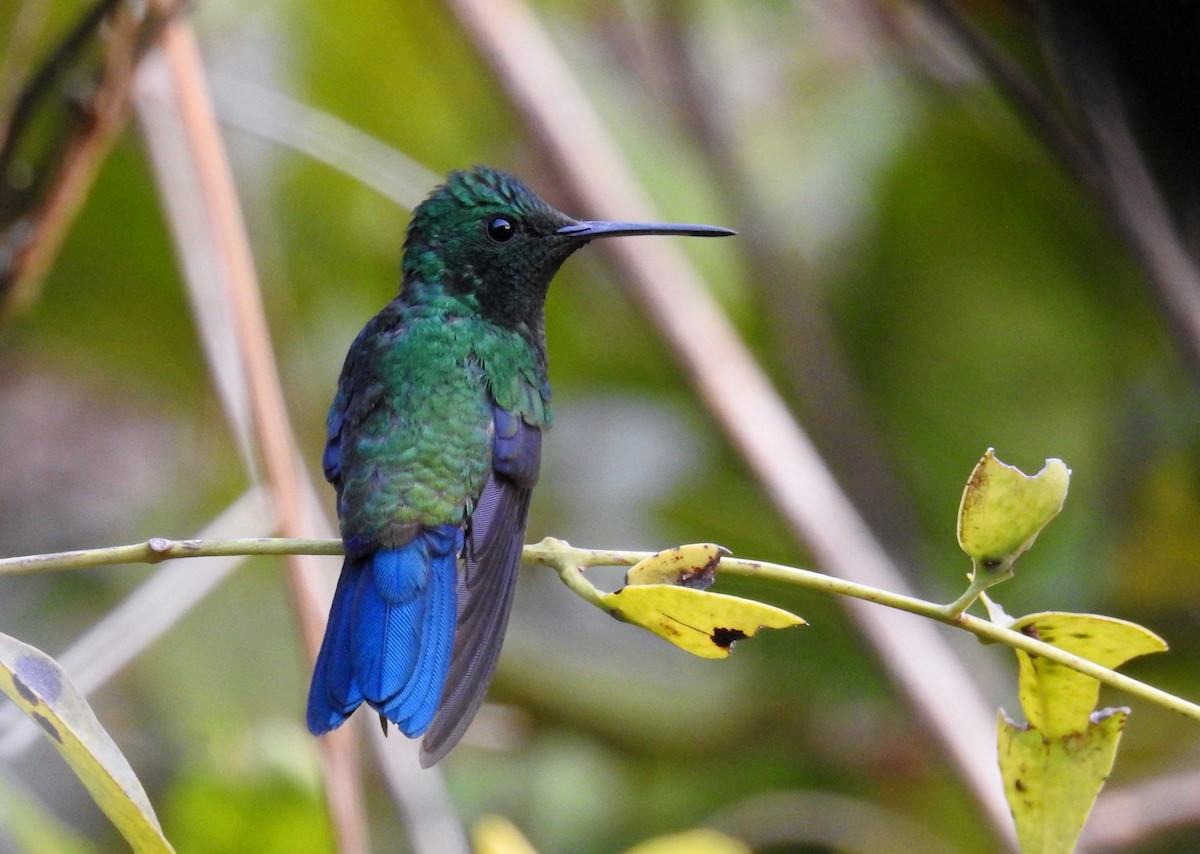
(272, 428)
(735, 389)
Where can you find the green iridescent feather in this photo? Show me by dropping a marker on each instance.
(434, 445)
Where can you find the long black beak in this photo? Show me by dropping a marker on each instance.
(590, 230)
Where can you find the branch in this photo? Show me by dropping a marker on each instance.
(570, 563)
(157, 549)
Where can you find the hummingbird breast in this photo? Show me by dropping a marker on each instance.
(416, 448)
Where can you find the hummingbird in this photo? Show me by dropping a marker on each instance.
(433, 446)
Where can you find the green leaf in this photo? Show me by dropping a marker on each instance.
(705, 624)
(42, 690)
(1057, 700)
(689, 566)
(1003, 510)
(1052, 782)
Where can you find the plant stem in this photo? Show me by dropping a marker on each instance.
(158, 549)
(570, 562)
(982, 629)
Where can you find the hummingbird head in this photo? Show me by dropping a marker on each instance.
(485, 236)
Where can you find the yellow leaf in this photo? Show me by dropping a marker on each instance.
(1052, 782)
(705, 624)
(1003, 510)
(42, 690)
(699, 841)
(689, 566)
(1057, 700)
(494, 834)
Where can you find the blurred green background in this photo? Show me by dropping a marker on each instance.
(917, 274)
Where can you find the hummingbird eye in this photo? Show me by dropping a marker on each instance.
(500, 229)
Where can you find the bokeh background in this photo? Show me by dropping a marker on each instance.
(919, 272)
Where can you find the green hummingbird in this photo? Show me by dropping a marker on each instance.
(433, 446)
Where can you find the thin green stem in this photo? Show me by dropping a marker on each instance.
(570, 562)
(981, 580)
(980, 628)
(158, 549)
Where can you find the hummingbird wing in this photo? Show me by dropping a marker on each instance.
(491, 557)
(331, 459)
(358, 393)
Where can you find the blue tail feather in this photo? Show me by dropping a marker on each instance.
(414, 707)
(390, 634)
(334, 693)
